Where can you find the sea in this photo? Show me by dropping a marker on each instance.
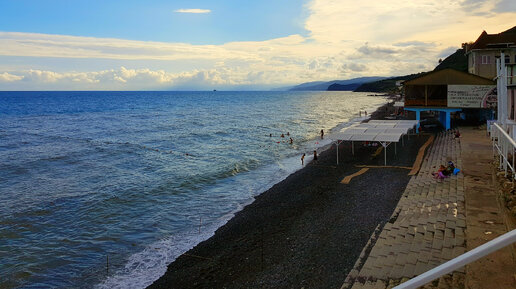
(105, 189)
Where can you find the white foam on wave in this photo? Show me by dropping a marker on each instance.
(145, 267)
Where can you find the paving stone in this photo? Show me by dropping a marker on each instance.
(459, 250)
(408, 270)
(401, 258)
(380, 284)
(439, 234)
(447, 253)
(448, 233)
(411, 258)
(449, 242)
(440, 225)
(396, 271)
(420, 268)
(357, 285)
(424, 256)
(459, 241)
(437, 244)
(461, 223)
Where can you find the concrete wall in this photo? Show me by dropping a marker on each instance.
(475, 65)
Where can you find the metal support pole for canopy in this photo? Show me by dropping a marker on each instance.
(395, 151)
(337, 152)
(385, 155)
(384, 144)
(352, 148)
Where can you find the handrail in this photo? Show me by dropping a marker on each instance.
(464, 259)
(509, 138)
(505, 145)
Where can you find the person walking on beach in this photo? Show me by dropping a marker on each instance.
(315, 156)
(322, 134)
(303, 159)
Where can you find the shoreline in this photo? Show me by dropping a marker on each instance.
(306, 230)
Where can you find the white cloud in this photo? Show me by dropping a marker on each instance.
(133, 79)
(195, 11)
(346, 39)
(7, 77)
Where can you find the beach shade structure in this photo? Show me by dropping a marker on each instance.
(386, 125)
(383, 131)
(339, 138)
(386, 139)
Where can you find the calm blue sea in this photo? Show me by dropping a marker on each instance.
(134, 179)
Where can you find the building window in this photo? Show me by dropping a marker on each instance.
(486, 59)
(507, 59)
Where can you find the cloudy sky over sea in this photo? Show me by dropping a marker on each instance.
(229, 44)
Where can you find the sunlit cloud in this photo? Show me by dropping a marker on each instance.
(194, 11)
(398, 38)
(7, 77)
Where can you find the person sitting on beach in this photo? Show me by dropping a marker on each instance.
(439, 174)
(449, 169)
(457, 134)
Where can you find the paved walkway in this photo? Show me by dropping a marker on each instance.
(429, 225)
(484, 217)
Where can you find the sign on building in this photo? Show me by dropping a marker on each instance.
(472, 96)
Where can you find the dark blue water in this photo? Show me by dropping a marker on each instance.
(134, 179)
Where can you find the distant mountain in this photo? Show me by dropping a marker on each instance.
(457, 60)
(324, 85)
(344, 87)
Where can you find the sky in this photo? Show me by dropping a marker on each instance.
(229, 44)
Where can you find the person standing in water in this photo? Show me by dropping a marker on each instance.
(315, 156)
(322, 134)
(303, 159)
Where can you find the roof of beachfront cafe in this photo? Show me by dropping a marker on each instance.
(449, 76)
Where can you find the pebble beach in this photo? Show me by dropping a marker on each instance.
(306, 231)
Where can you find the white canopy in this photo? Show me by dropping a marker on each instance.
(382, 131)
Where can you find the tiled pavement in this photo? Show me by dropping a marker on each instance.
(426, 229)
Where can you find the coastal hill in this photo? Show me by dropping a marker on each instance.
(386, 85)
(349, 84)
(456, 60)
